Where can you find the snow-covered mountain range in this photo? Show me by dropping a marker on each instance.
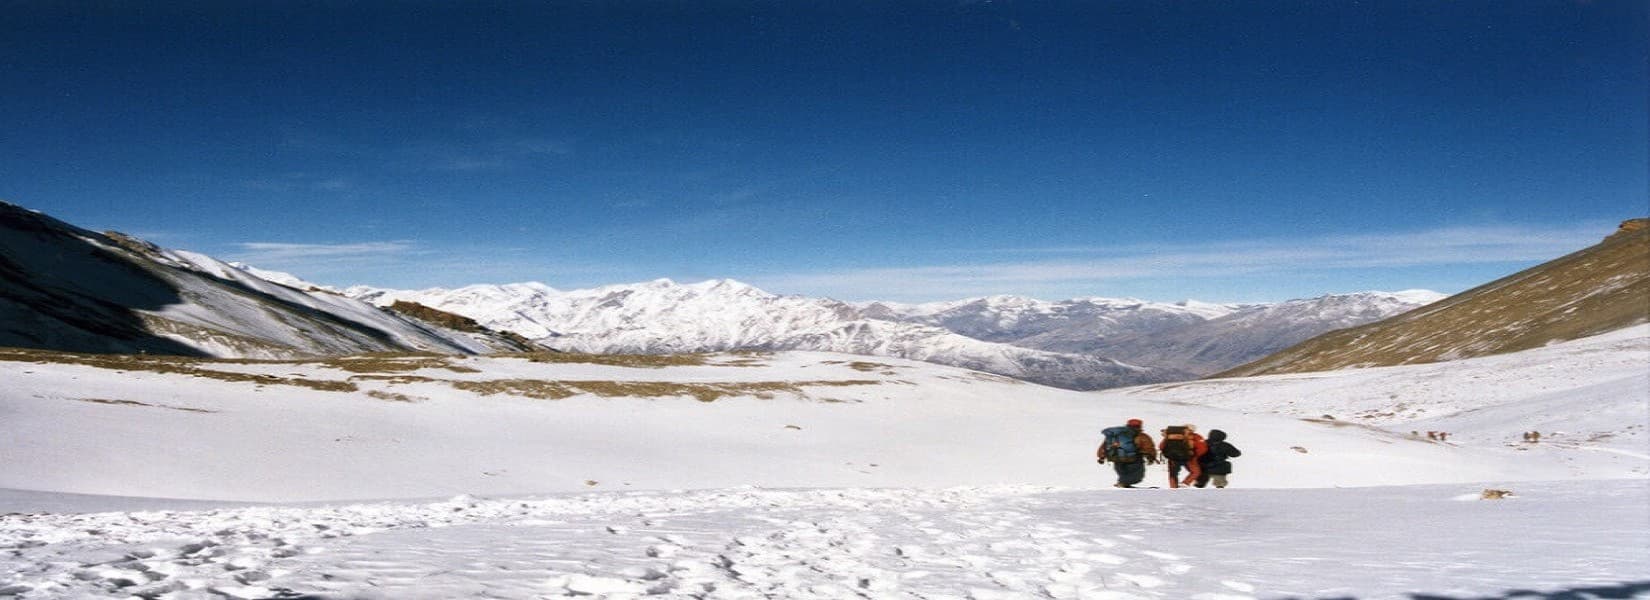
(663, 317)
(1086, 343)
(1192, 337)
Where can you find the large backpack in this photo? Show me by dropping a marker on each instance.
(1178, 445)
(1119, 445)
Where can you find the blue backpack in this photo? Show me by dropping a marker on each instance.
(1119, 445)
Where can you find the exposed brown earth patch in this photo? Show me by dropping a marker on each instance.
(194, 367)
(396, 363)
(146, 404)
(639, 361)
(703, 392)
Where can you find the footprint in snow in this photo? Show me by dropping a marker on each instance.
(1177, 569)
(1070, 572)
(581, 584)
(1145, 581)
(1009, 581)
(1108, 559)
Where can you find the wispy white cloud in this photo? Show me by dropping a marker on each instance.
(259, 253)
(403, 263)
(1096, 266)
(300, 182)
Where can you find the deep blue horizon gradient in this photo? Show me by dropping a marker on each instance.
(862, 150)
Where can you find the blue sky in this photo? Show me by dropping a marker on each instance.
(860, 150)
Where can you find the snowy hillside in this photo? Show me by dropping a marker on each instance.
(68, 288)
(665, 317)
(1596, 290)
(854, 464)
(283, 278)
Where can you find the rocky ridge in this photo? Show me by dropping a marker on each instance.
(67, 288)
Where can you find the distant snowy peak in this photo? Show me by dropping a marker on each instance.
(1190, 336)
(654, 316)
(1024, 307)
(1209, 310)
(1418, 297)
(647, 296)
(283, 278)
(1342, 310)
(536, 310)
(1030, 322)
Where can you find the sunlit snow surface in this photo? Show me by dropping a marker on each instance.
(926, 483)
(1562, 539)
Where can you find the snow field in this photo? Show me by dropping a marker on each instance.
(937, 483)
(1002, 542)
(901, 424)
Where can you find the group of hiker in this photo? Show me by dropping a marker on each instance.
(1129, 449)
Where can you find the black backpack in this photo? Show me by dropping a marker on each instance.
(1177, 444)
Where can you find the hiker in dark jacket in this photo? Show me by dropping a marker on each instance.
(1131, 470)
(1216, 461)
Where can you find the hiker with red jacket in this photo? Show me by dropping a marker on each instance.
(1129, 450)
(1216, 462)
(1181, 447)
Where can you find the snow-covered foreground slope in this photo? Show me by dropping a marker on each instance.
(1548, 540)
(809, 475)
